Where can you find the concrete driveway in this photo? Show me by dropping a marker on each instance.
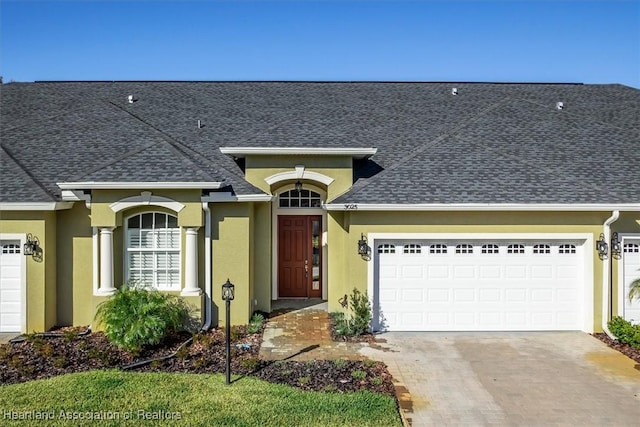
(520, 378)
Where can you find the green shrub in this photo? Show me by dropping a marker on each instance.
(250, 364)
(359, 374)
(136, 316)
(255, 323)
(358, 319)
(625, 331)
(340, 363)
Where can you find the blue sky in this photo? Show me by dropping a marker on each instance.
(539, 41)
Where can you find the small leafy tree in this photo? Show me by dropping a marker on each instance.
(136, 316)
(358, 319)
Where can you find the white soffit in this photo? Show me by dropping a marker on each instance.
(358, 153)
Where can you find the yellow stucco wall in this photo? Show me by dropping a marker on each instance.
(103, 216)
(231, 242)
(257, 168)
(74, 266)
(262, 257)
(348, 270)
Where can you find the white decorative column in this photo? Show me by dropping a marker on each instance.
(191, 262)
(106, 262)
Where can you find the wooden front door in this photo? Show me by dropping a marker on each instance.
(299, 256)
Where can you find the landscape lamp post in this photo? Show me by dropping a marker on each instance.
(228, 295)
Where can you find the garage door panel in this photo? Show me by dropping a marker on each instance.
(514, 295)
(542, 272)
(464, 295)
(412, 272)
(464, 272)
(389, 271)
(483, 286)
(437, 272)
(438, 295)
(415, 295)
(489, 272)
(516, 320)
(515, 272)
(541, 296)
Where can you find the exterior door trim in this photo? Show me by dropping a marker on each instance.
(277, 211)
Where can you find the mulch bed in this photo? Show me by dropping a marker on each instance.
(626, 349)
(44, 357)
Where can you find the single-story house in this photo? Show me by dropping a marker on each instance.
(455, 206)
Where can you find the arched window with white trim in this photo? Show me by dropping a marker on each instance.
(153, 250)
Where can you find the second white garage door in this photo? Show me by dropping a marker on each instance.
(11, 273)
(479, 285)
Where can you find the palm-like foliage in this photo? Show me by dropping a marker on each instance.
(634, 290)
(136, 316)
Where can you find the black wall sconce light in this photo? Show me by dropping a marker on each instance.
(601, 247)
(32, 246)
(363, 247)
(616, 247)
(298, 185)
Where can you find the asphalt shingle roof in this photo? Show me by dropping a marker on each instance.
(491, 143)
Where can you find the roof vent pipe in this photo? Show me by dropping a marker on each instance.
(454, 91)
(199, 124)
(131, 99)
(559, 105)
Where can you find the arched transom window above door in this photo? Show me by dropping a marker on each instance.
(300, 199)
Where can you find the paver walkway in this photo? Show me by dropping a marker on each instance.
(305, 334)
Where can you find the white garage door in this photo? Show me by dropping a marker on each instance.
(479, 285)
(631, 266)
(11, 260)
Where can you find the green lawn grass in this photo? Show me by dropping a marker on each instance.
(186, 400)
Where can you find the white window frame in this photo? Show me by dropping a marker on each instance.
(127, 250)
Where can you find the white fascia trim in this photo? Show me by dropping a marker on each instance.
(146, 199)
(229, 197)
(478, 207)
(93, 185)
(304, 174)
(358, 153)
(36, 206)
(76, 196)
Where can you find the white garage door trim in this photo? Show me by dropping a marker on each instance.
(626, 309)
(8, 237)
(588, 254)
